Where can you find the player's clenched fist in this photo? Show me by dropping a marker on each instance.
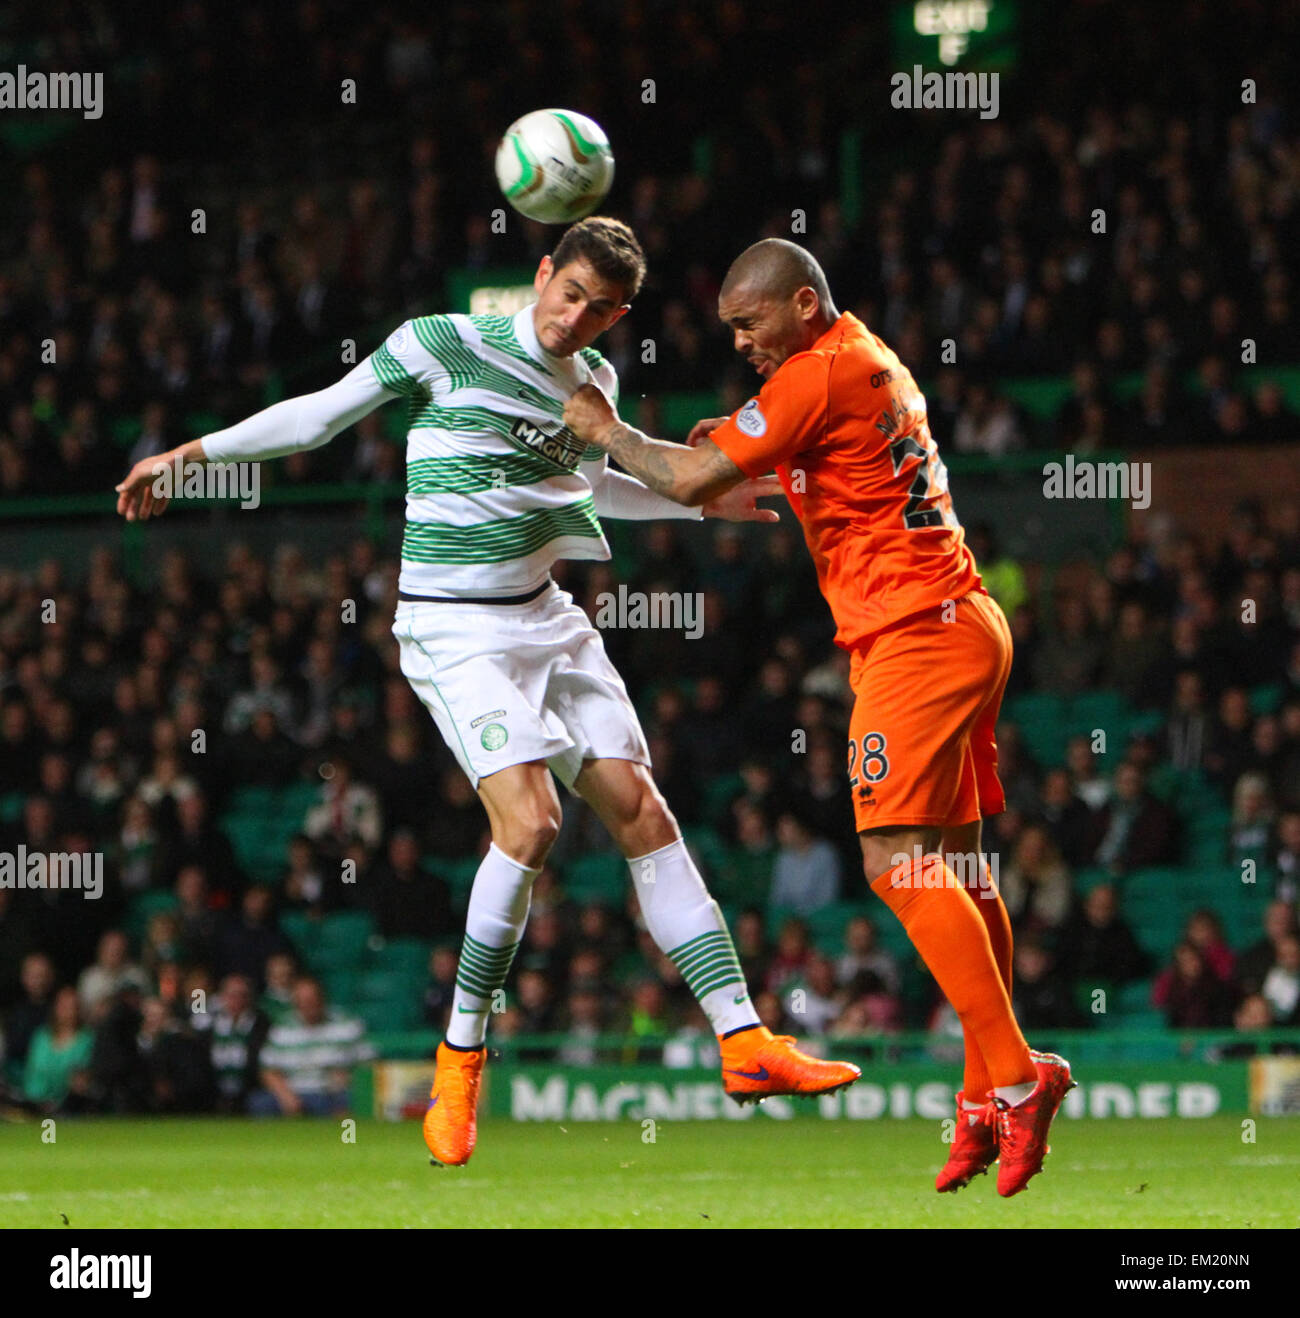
(588, 412)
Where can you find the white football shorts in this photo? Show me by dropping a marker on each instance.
(511, 683)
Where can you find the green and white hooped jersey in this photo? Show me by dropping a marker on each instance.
(497, 487)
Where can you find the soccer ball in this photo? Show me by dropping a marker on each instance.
(554, 166)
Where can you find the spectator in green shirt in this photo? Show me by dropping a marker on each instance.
(59, 1056)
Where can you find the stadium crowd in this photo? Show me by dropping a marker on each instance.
(120, 324)
(131, 725)
(138, 715)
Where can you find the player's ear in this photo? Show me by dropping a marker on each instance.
(545, 269)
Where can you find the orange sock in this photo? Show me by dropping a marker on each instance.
(976, 1081)
(953, 940)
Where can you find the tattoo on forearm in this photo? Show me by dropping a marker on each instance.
(648, 461)
(689, 476)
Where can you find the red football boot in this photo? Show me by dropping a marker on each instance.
(974, 1149)
(1022, 1130)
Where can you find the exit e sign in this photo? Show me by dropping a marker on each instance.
(967, 34)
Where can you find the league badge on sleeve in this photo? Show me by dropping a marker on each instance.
(751, 421)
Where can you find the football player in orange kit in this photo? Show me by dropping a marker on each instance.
(841, 421)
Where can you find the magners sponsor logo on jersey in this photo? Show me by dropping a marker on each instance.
(562, 447)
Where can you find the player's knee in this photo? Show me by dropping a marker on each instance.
(651, 808)
(648, 823)
(885, 850)
(529, 835)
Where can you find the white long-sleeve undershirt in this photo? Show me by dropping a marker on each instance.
(297, 425)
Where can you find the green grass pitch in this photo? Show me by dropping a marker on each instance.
(216, 1173)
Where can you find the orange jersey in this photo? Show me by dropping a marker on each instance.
(844, 427)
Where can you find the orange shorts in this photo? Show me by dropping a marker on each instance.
(922, 750)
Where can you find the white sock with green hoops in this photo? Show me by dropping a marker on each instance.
(688, 927)
(494, 924)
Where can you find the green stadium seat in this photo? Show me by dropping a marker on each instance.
(144, 907)
(1090, 877)
(890, 933)
(829, 923)
(389, 1014)
(260, 845)
(1207, 850)
(259, 801)
(457, 874)
(718, 792)
(296, 799)
(302, 931)
(1266, 699)
(1135, 997)
(1163, 782)
(409, 956)
(203, 423)
(346, 927)
(261, 821)
(11, 807)
(1195, 789)
(630, 968)
(381, 985)
(1146, 723)
(776, 916)
(1157, 934)
(325, 960)
(1150, 1018)
(678, 411)
(1211, 825)
(745, 877)
(245, 832)
(341, 985)
(707, 847)
(1083, 999)
(1043, 723)
(602, 877)
(1099, 709)
(341, 942)
(1041, 396)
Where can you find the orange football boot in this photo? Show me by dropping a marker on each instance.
(450, 1124)
(756, 1064)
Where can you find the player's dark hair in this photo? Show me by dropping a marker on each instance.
(609, 247)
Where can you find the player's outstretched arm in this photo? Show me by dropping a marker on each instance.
(699, 475)
(294, 425)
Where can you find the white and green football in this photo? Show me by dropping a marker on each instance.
(554, 166)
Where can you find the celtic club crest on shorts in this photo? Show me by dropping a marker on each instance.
(494, 736)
